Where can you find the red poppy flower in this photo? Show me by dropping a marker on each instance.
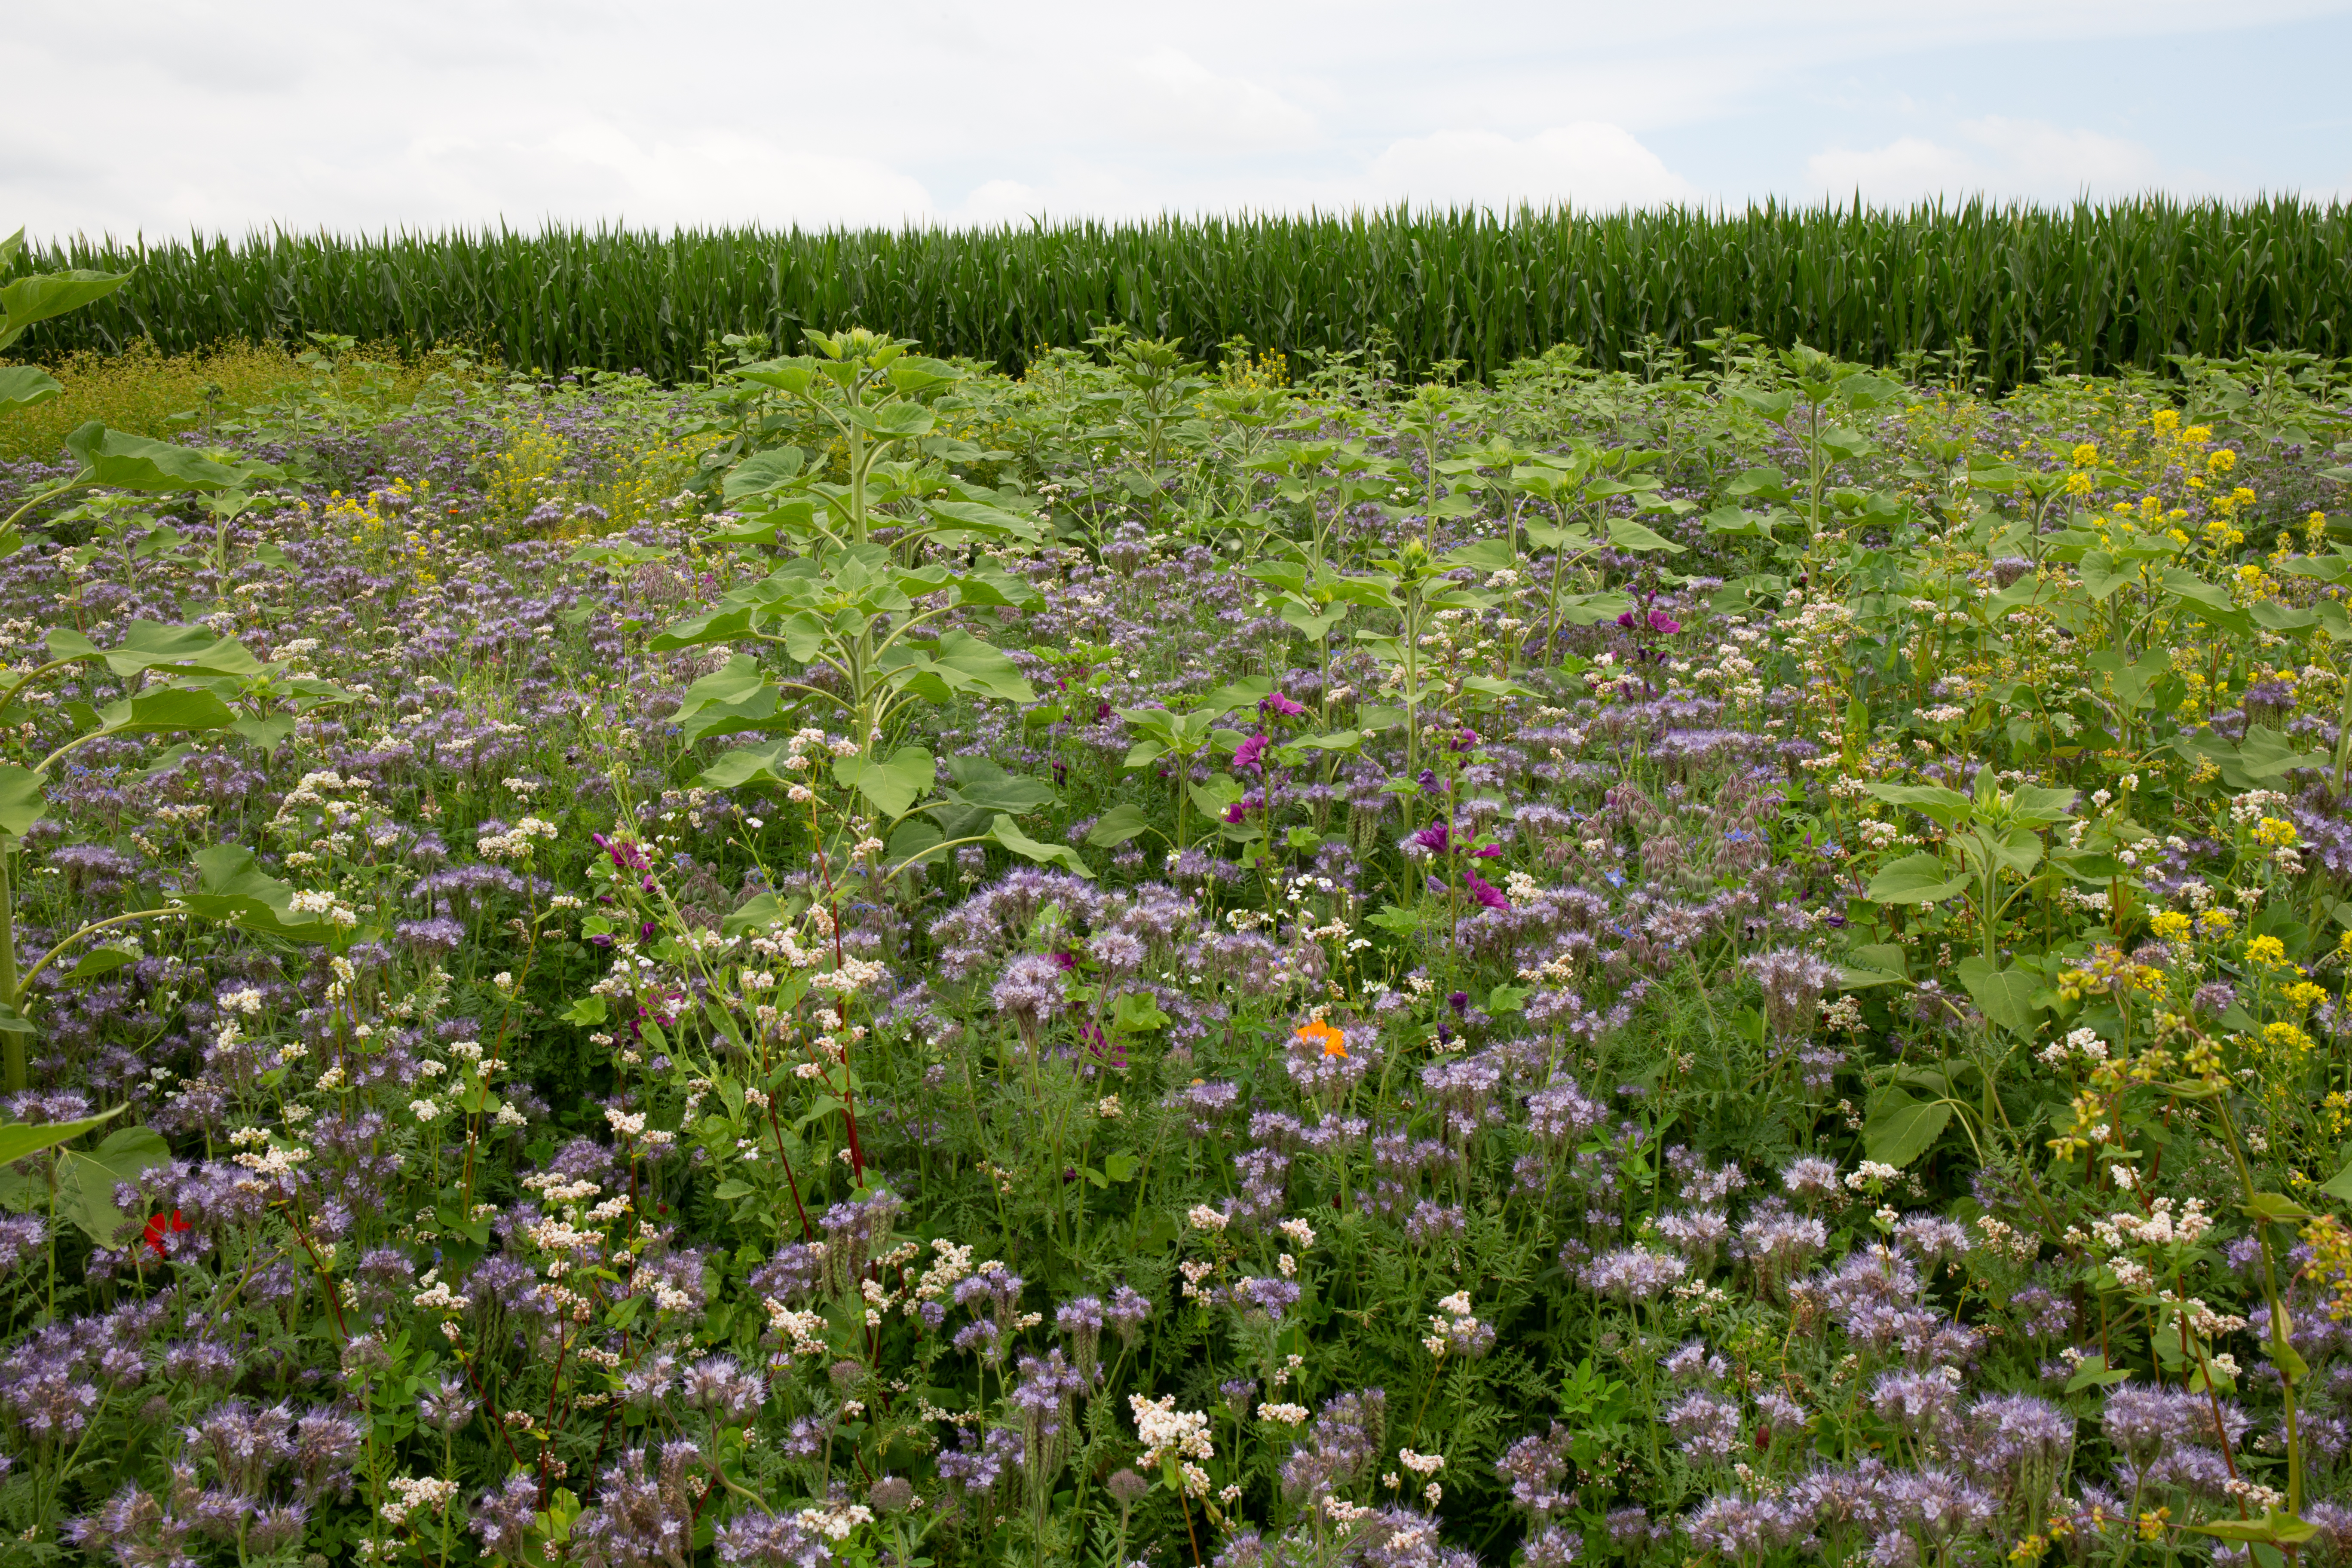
(161, 1226)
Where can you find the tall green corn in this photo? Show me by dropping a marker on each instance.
(2120, 284)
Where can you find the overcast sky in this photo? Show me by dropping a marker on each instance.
(143, 115)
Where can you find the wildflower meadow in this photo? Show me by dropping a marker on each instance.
(1728, 956)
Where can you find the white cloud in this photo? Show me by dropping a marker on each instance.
(1171, 97)
(1906, 168)
(2005, 157)
(232, 113)
(1588, 164)
(597, 166)
(2060, 158)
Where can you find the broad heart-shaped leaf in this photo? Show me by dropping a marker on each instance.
(1947, 806)
(2276, 618)
(2019, 849)
(120, 460)
(964, 663)
(914, 842)
(18, 1139)
(152, 644)
(2092, 1372)
(761, 912)
(2206, 600)
(1589, 609)
(100, 961)
(892, 421)
(2003, 995)
(232, 888)
(1004, 831)
(172, 707)
(2102, 573)
(982, 782)
(1117, 826)
(85, 1182)
(1627, 534)
(1766, 484)
(1302, 616)
(2036, 806)
(1483, 555)
(1914, 880)
(761, 472)
(988, 585)
(976, 519)
(2267, 755)
(727, 701)
(917, 373)
(21, 801)
(22, 385)
(1902, 1128)
(892, 786)
(2274, 1528)
(729, 623)
(750, 765)
(268, 733)
(46, 294)
(2339, 1186)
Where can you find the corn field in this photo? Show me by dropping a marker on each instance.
(2117, 286)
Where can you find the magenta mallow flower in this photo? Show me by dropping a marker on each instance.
(1251, 751)
(1656, 621)
(1485, 892)
(1275, 703)
(626, 853)
(1436, 838)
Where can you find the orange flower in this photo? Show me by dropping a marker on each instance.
(1334, 1043)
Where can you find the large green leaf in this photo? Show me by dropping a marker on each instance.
(1005, 833)
(726, 623)
(23, 385)
(967, 664)
(1902, 1128)
(232, 888)
(168, 708)
(750, 765)
(980, 781)
(46, 294)
(728, 701)
(2206, 600)
(268, 733)
(1627, 534)
(1947, 806)
(21, 801)
(120, 460)
(914, 843)
(18, 1139)
(971, 516)
(1117, 826)
(892, 786)
(1914, 880)
(152, 644)
(2275, 1527)
(101, 960)
(2003, 995)
(761, 472)
(85, 1182)
(2339, 1186)
(761, 912)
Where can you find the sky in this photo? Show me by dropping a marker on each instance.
(167, 118)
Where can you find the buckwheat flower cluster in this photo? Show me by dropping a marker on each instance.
(1168, 1433)
(1454, 1330)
